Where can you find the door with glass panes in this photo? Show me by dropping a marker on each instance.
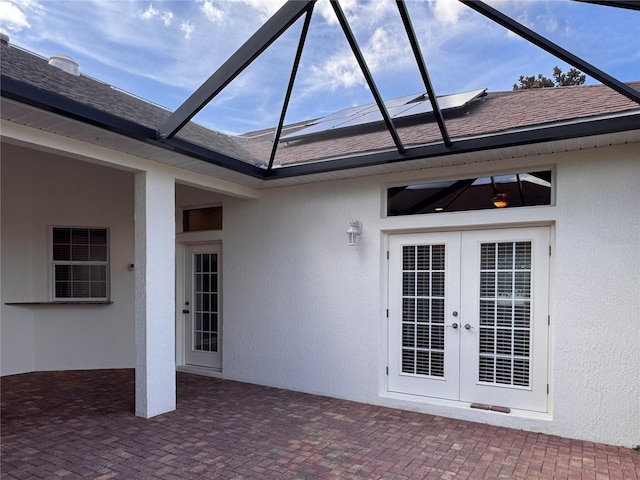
(202, 314)
(468, 316)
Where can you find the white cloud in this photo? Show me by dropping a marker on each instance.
(187, 28)
(447, 11)
(167, 18)
(149, 13)
(549, 22)
(338, 72)
(265, 8)
(13, 19)
(14, 14)
(348, 7)
(212, 12)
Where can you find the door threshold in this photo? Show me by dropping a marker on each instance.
(196, 370)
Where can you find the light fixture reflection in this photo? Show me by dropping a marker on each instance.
(500, 200)
(354, 231)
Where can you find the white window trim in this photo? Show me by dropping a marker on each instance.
(53, 263)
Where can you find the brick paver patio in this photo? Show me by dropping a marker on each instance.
(80, 424)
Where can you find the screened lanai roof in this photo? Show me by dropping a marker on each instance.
(422, 124)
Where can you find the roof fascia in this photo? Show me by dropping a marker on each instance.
(242, 58)
(548, 133)
(552, 48)
(55, 103)
(52, 102)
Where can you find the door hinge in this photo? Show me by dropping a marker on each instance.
(387, 370)
(548, 319)
(547, 389)
(549, 250)
(387, 254)
(387, 313)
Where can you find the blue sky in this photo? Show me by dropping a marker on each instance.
(163, 50)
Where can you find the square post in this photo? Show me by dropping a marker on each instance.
(155, 293)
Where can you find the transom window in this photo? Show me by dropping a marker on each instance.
(80, 259)
(501, 191)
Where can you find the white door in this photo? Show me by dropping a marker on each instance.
(202, 313)
(468, 316)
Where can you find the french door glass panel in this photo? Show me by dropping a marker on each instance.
(205, 295)
(422, 361)
(423, 309)
(506, 303)
(468, 316)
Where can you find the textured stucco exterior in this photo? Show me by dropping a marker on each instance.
(304, 311)
(41, 190)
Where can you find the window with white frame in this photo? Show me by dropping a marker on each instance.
(80, 267)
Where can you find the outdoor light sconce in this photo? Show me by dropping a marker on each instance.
(354, 231)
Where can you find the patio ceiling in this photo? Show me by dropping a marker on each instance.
(177, 132)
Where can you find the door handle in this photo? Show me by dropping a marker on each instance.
(467, 326)
(185, 311)
(454, 325)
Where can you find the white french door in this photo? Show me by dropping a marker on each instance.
(202, 314)
(468, 316)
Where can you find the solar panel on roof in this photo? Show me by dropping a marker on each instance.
(446, 102)
(374, 115)
(401, 107)
(345, 113)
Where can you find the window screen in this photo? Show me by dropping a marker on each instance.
(80, 263)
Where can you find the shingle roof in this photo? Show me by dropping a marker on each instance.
(493, 113)
(34, 70)
(490, 114)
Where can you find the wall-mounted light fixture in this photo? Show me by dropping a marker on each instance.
(354, 231)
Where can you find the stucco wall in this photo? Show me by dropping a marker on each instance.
(302, 308)
(597, 319)
(305, 311)
(40, 190)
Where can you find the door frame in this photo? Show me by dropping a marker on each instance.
(432, 403)
(181, 257)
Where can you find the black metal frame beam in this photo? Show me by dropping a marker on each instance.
(417, 53)
(241, 59)
(292, 79)
(364, 68)
(52, 102)
(552, 48)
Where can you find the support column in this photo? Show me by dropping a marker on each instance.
(155, 293)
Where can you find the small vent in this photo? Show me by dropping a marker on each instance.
(65, 63)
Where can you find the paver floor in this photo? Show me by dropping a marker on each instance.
(81, 424)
